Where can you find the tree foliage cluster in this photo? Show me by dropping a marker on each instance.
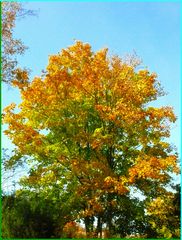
(23, 218)
(88, 131)
(11, 47)
(28, 214)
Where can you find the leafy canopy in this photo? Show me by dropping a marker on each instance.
(11, 47)
(89, 129)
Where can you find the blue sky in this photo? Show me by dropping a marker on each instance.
(151, 29)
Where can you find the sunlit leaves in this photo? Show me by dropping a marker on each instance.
(162, 215)
(88, 123)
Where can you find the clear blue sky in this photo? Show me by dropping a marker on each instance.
(152, 29)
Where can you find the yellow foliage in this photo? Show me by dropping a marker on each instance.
(89, 116)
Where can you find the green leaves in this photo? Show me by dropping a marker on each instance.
(87, 124)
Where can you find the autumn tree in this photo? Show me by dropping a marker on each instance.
(11, 47)
(164, 212)
(88, 129)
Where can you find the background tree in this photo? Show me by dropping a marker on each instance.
(89, 130)
(11, 47)
(129, 218)
(28, 214)
(23, 218)
(164, 212)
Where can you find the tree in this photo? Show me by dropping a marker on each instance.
(164, 212)
(11, 47)
(22, 218)
(27, 214)
(89, 130)
(129, 218)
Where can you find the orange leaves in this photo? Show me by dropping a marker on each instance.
(114, 185)
(96, 143)
(21, 78)
(108, 182)
(162, 215)
(102, 108)
(88, 116)
(9, 108)
(153, 168)
(20, 132)
(79, 75)
(161, 113)
(95, 206)
(146, 85)
(100, 64)
(106, 112)
(171, 164)
(128, 113)
(73, 230)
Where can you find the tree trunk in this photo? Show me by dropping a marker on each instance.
(109, 214)
(98, 232)
(89, 226)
